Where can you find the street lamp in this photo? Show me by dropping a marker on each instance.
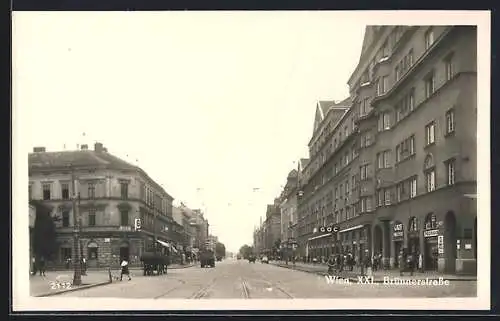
(77, 278)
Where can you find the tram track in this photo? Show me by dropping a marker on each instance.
(182, 282)
(203, 291)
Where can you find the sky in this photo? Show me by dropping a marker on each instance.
(211, 105)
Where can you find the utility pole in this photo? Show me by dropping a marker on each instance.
(77, 278)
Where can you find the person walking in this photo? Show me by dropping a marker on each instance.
(125, 270)
(41, 266)
(401, 260)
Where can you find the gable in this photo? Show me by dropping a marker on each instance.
(318, 117)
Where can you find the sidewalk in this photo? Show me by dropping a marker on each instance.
(132, 268)
(378, 276)
(57, 282)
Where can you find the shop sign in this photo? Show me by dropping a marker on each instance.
(398, 227)
(440, 244)
(397, 234)
(431, 233)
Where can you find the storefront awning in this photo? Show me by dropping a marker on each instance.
(351, 228)
(319, 236)
(165, 244)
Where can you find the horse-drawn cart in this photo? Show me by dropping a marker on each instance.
(154, 262)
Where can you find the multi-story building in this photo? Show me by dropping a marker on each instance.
(421, 84)
(202, 226)
(189, 229)
(412, 183)
(111, 195)
(328, 178)
(272, 228)
(288, 209)
(32, 217)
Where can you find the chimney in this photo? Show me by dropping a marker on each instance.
(85, 147)
(38, 149)
(98, 147)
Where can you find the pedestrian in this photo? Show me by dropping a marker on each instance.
(331, 264)
(33, 263)
(420, 262)
(401, 260)
(125, 270)
(410, 260)
(84, 266)
(41, 266)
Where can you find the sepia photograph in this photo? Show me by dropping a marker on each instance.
(251, 160)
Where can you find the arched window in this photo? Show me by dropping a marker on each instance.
(92, 250)
(430, 221)
(413, 224)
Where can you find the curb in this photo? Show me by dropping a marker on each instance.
(73, 289)
(351, 279)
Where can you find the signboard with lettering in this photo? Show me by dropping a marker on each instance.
(431, 233)
(398, 231)
(440, 244)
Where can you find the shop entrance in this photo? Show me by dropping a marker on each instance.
(431, 254)
(398, 246)
(450, 240)
(124, 252)
(377, 240)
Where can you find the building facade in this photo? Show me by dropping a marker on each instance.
(408, 181)
(111, 194)
(272, 229)
(288, 209)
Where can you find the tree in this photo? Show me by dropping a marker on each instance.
(220, 249)
(246, 250)
(44, 232)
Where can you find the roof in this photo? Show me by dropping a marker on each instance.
(325, 105)
(83, 158)
(292, 174)
(46, 160)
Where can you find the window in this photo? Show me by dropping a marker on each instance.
(430, 82)
(365, 204)
(405, 149)
(448, 67)
(46, 191)
(401, 191)
(413, 187)
(336, 168)
(430, 177)
(384, 121)
(346, 131)
(430, 133)
(341, 190)
(383, 159)
(382, 85)
(366, 140)
(65, 191)
(385, 50)
(364, 107)
(354, 152)
(450, 121)
(92, 217)
(364, 171)
(347, 158)
(387, 197)
(336, 193)
(347, 190)
(397, 73)
(124, 190)
(124, 218)
(30, 192)
(65, 218)
(380, 197)
(430, 222)
(429, 38)
(450, 170)
(413, 224)
(91, 190)
(405, 105)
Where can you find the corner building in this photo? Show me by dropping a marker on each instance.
(113, 193)
(415, 92)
